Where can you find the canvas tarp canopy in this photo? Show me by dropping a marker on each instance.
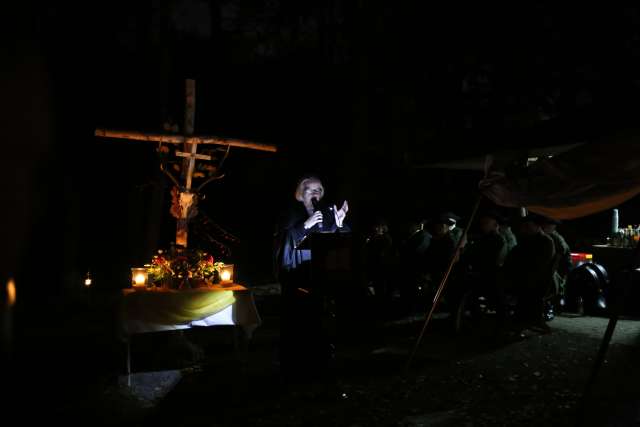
(500, 159)
(583, 180)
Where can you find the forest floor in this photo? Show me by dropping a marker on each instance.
(73, 370)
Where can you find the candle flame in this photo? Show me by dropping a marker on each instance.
(11, 292)
(140, 279)
(226, 275)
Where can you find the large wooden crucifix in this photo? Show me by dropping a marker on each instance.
(187, 197)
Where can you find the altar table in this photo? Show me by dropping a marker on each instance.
(145, 311)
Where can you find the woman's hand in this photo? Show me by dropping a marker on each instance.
(314, 219)
(341, 213)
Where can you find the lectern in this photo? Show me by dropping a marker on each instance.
(332, 284)
(331, 261)
(314, 309)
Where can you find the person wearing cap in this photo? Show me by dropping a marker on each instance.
(418, 241)
(507, 233)
(480, 262)
(562, 260)
(380, 260)
(451, 220)
(528, 272)
(444, 223)
(443, 245)
(486, 253)
(412, 257)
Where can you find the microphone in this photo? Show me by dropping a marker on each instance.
(315, 203)
(316, 207)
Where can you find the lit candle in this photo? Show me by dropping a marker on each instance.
(11, 293)
(87, 285)
(139, 277)
(226, 273)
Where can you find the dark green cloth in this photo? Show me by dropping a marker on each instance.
(509, 237)
(412, 253)
(530, 264)
(456, 234)
(528, 274)
(485, 253)
(562, 260)
(439, 255)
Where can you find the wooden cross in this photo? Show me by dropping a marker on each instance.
(191, 162)
(187, 199)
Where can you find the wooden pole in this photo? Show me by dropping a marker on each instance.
(190, 107)
(189, 123)
(623, 281)
(188, 164)
(443, 283)
(602, 352)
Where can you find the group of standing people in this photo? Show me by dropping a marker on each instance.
(525, 257)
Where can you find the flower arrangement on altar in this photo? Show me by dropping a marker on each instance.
(183, 269)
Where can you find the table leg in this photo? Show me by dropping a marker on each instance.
(236, 344)
(241, 346)
(129, 362)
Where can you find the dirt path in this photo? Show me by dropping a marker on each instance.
(454, 382)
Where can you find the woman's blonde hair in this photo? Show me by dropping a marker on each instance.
(303, 183)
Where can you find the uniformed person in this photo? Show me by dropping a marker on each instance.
(562, 259)
(509, 237)
(440, 253)
(412, 257)
(443, 244)
(380, 260)
(452, 222)
(528, 271)
(487, 251)
(481, 261)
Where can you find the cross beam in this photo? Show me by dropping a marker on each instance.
(181, 139)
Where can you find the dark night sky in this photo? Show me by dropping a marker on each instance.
(356, 91)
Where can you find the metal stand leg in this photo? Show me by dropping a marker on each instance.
(616, 309)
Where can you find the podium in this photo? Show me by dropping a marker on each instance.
(332, 281)
(331, 261)
(314, 304)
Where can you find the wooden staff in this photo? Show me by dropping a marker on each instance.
(443, 283)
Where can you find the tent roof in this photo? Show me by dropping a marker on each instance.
(587, 179)
(478, 163)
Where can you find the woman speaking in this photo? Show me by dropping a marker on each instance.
(304, 347)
